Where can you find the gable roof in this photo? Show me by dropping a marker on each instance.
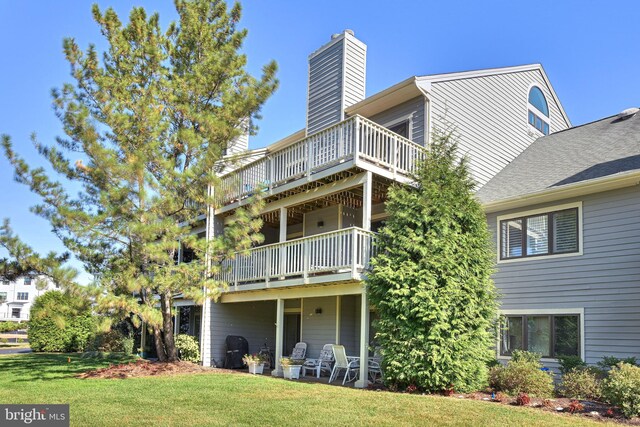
(436, 78)
(583, 155)
(420, 85)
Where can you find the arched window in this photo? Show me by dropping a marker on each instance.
(538, 110)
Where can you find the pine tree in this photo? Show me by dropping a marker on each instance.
(147, 124)
(431, 281)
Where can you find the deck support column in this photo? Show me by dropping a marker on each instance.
(363, 377)
(277, 371)
(283, 225)
(367, 194)
(282, 239)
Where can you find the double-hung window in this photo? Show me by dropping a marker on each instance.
(550, 335)
(546, 233)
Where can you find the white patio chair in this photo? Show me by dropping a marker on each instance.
(343, 363)
(324, 362)
(299, 351)
(375, 367)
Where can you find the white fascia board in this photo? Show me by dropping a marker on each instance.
(621, 180)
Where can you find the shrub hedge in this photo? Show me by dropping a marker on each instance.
(622, 388)
(12, 326)
(60, 323)
(582, 383)
(523, 374)
(188, 348)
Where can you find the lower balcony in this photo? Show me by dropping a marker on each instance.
(336, 256)
(14, 317)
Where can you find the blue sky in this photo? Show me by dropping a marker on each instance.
(589, 50)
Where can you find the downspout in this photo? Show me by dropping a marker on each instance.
(427, 113)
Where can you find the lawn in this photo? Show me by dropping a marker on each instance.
(238, 399)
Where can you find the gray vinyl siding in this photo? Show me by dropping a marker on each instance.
(490, 116)
(318, 329)
(253, 320)
(239, 144)
(325, 88)
(351, 217)
(605, 280)
(328, 216)
(336, 80)
(412, 110)
(354, 72)
(350, 324)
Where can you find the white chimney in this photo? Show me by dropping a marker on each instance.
(240, 143)
(336, 80)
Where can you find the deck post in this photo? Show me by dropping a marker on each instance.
(277, 371)
(367, 194)
(267, 267)
(306, 257)
(283, 238)
(363, 378)
(356, 141)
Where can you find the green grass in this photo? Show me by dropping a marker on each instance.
(231, 399)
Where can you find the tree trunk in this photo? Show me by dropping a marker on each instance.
(167, 325)
(157, 337)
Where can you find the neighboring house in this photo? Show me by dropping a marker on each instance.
(17, 296)
(325, 188)
(565, 218)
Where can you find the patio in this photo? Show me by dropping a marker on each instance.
(279, 324)
(311, 379)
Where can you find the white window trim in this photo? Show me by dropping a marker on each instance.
(406, 118)
(514, 312)
(535, 212)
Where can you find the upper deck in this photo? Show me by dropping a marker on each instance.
(353, 143)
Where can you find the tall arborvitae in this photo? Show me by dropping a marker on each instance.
(431, 281)
(147, 124)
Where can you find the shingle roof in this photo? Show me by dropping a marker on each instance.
(595, 150)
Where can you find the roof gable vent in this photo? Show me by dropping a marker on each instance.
(628, 113)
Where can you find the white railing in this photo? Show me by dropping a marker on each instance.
(343, 251)
(354, 138)
(8, 316)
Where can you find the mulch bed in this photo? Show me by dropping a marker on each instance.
(585, 408)
(145, 368)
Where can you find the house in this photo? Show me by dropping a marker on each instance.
(17, 296)
(565, 221)
(325, 188)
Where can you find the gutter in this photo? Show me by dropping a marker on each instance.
(621, 180)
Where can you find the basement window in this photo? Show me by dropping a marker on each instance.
(550, 335)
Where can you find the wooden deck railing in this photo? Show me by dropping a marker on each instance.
(343, 251)
(356, 138)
